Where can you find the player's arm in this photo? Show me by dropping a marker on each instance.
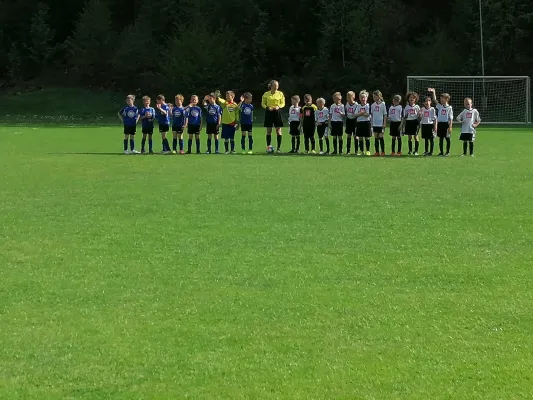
(120, 115)
(385, 118)
(281, 102)
(433, 95)
(138, 118)
(477, 120)
(460, 117)
(264, 102)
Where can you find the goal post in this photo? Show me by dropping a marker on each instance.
(499, 99)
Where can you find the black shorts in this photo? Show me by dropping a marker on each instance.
(148, 130)
(193, 129)
(309, 130)
(411, 127)
(336, 128)
(377, 129)
(211, 129)
(467, 137)
(177, 129)
(273, 119)
(427, 131)
(164, 128)
(294, 128)
(394, 129)
(350, 126)
(322, 130)
(442, 129)
(246, 128)
(130, 129)
(363, 129)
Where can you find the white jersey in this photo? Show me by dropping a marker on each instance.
(294, 113)
(350, 110)
(379, 113)
(363, 108)
(321, 115)
(444, 114)
(336, 111)
(411, 112)
(395, 113)
(427, 115)
(468, 118)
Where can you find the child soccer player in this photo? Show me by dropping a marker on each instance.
(129, 115)
(308, 123)
(336, 117)
(379, 122)
(179, 122)
(470, 120)
(410, 121)
(230, 120)
(147, 121)
(395, 117)
(214, 115)
(194, 123)
(351, 121)
(322, 121)
(294, 124)
(444, 121)
(163, 119)
(247, 119)
(362, 111)
(428, 121)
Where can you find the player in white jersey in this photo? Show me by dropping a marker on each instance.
(410, 121)
(295, 115)
(336, 118)
(322, 122)
(444, 120)
(428, 121)
(351, 120)
(395, 117)
(379, 122)
(363, 132)
(470, 120)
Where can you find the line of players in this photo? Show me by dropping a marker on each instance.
(359, 120)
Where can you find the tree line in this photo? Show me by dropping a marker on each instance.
(316, 46)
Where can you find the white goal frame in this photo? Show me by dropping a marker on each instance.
(483, 80)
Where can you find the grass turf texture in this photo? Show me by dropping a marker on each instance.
(263, 277)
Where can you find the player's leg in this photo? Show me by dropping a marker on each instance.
(279, 137)
(180, 140)
(189, 142)
(164, 140)
(250, 141)
(209, 142)
(197, 139)
(232, 138)
(417, 143)
(441, 145)
(174, 141)
(217, 140)
(126, 137)
(143, 142)
(471, 144)
(410, 143)
(465, 147)
(448, 144)
(376, 143)
(151, 143)
(243, 141)
(320, 131)
(132, 140)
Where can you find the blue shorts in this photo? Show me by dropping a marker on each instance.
(228, 131)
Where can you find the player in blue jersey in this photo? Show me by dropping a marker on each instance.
(247, 118)
(147, 115)
(163, 119)
(129, 115)
(179, 122)
(213, 117)
(194, 123)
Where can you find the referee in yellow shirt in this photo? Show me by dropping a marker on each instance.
(273, 101)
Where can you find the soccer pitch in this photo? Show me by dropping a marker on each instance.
(263, 277)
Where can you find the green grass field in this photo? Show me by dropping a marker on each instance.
(263, 277)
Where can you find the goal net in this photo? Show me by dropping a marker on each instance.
(499, 99)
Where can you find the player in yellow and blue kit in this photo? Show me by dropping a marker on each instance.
(213, 119)
(246, 119)
(129, 115)
(230, 119)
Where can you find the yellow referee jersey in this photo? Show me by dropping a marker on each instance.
(270, 99)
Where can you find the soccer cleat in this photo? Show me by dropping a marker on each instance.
(348, 153)
(207, 152)
(306, 152)
(382, 154)
(393, 154)
(151, 152)
(182, 152)
(471, 155)
(425, 153)
(321, 153)
(143, 151)
(399, 154)
(227, 152)
(126, 152)
(189, 152)
(447, 155)
(232, 151)
(165, 152)
(217, 152)
(250, 152)
(415, 153)
(440, 155)
(278, 151)
(367, 153)
(313, 151)
(174, 152)
(359, 153)
(334, 153)
(243, 152)
(410, 153)
(135, 152)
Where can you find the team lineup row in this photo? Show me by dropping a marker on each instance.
(359, 120)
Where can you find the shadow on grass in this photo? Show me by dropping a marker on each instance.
(300, 155)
